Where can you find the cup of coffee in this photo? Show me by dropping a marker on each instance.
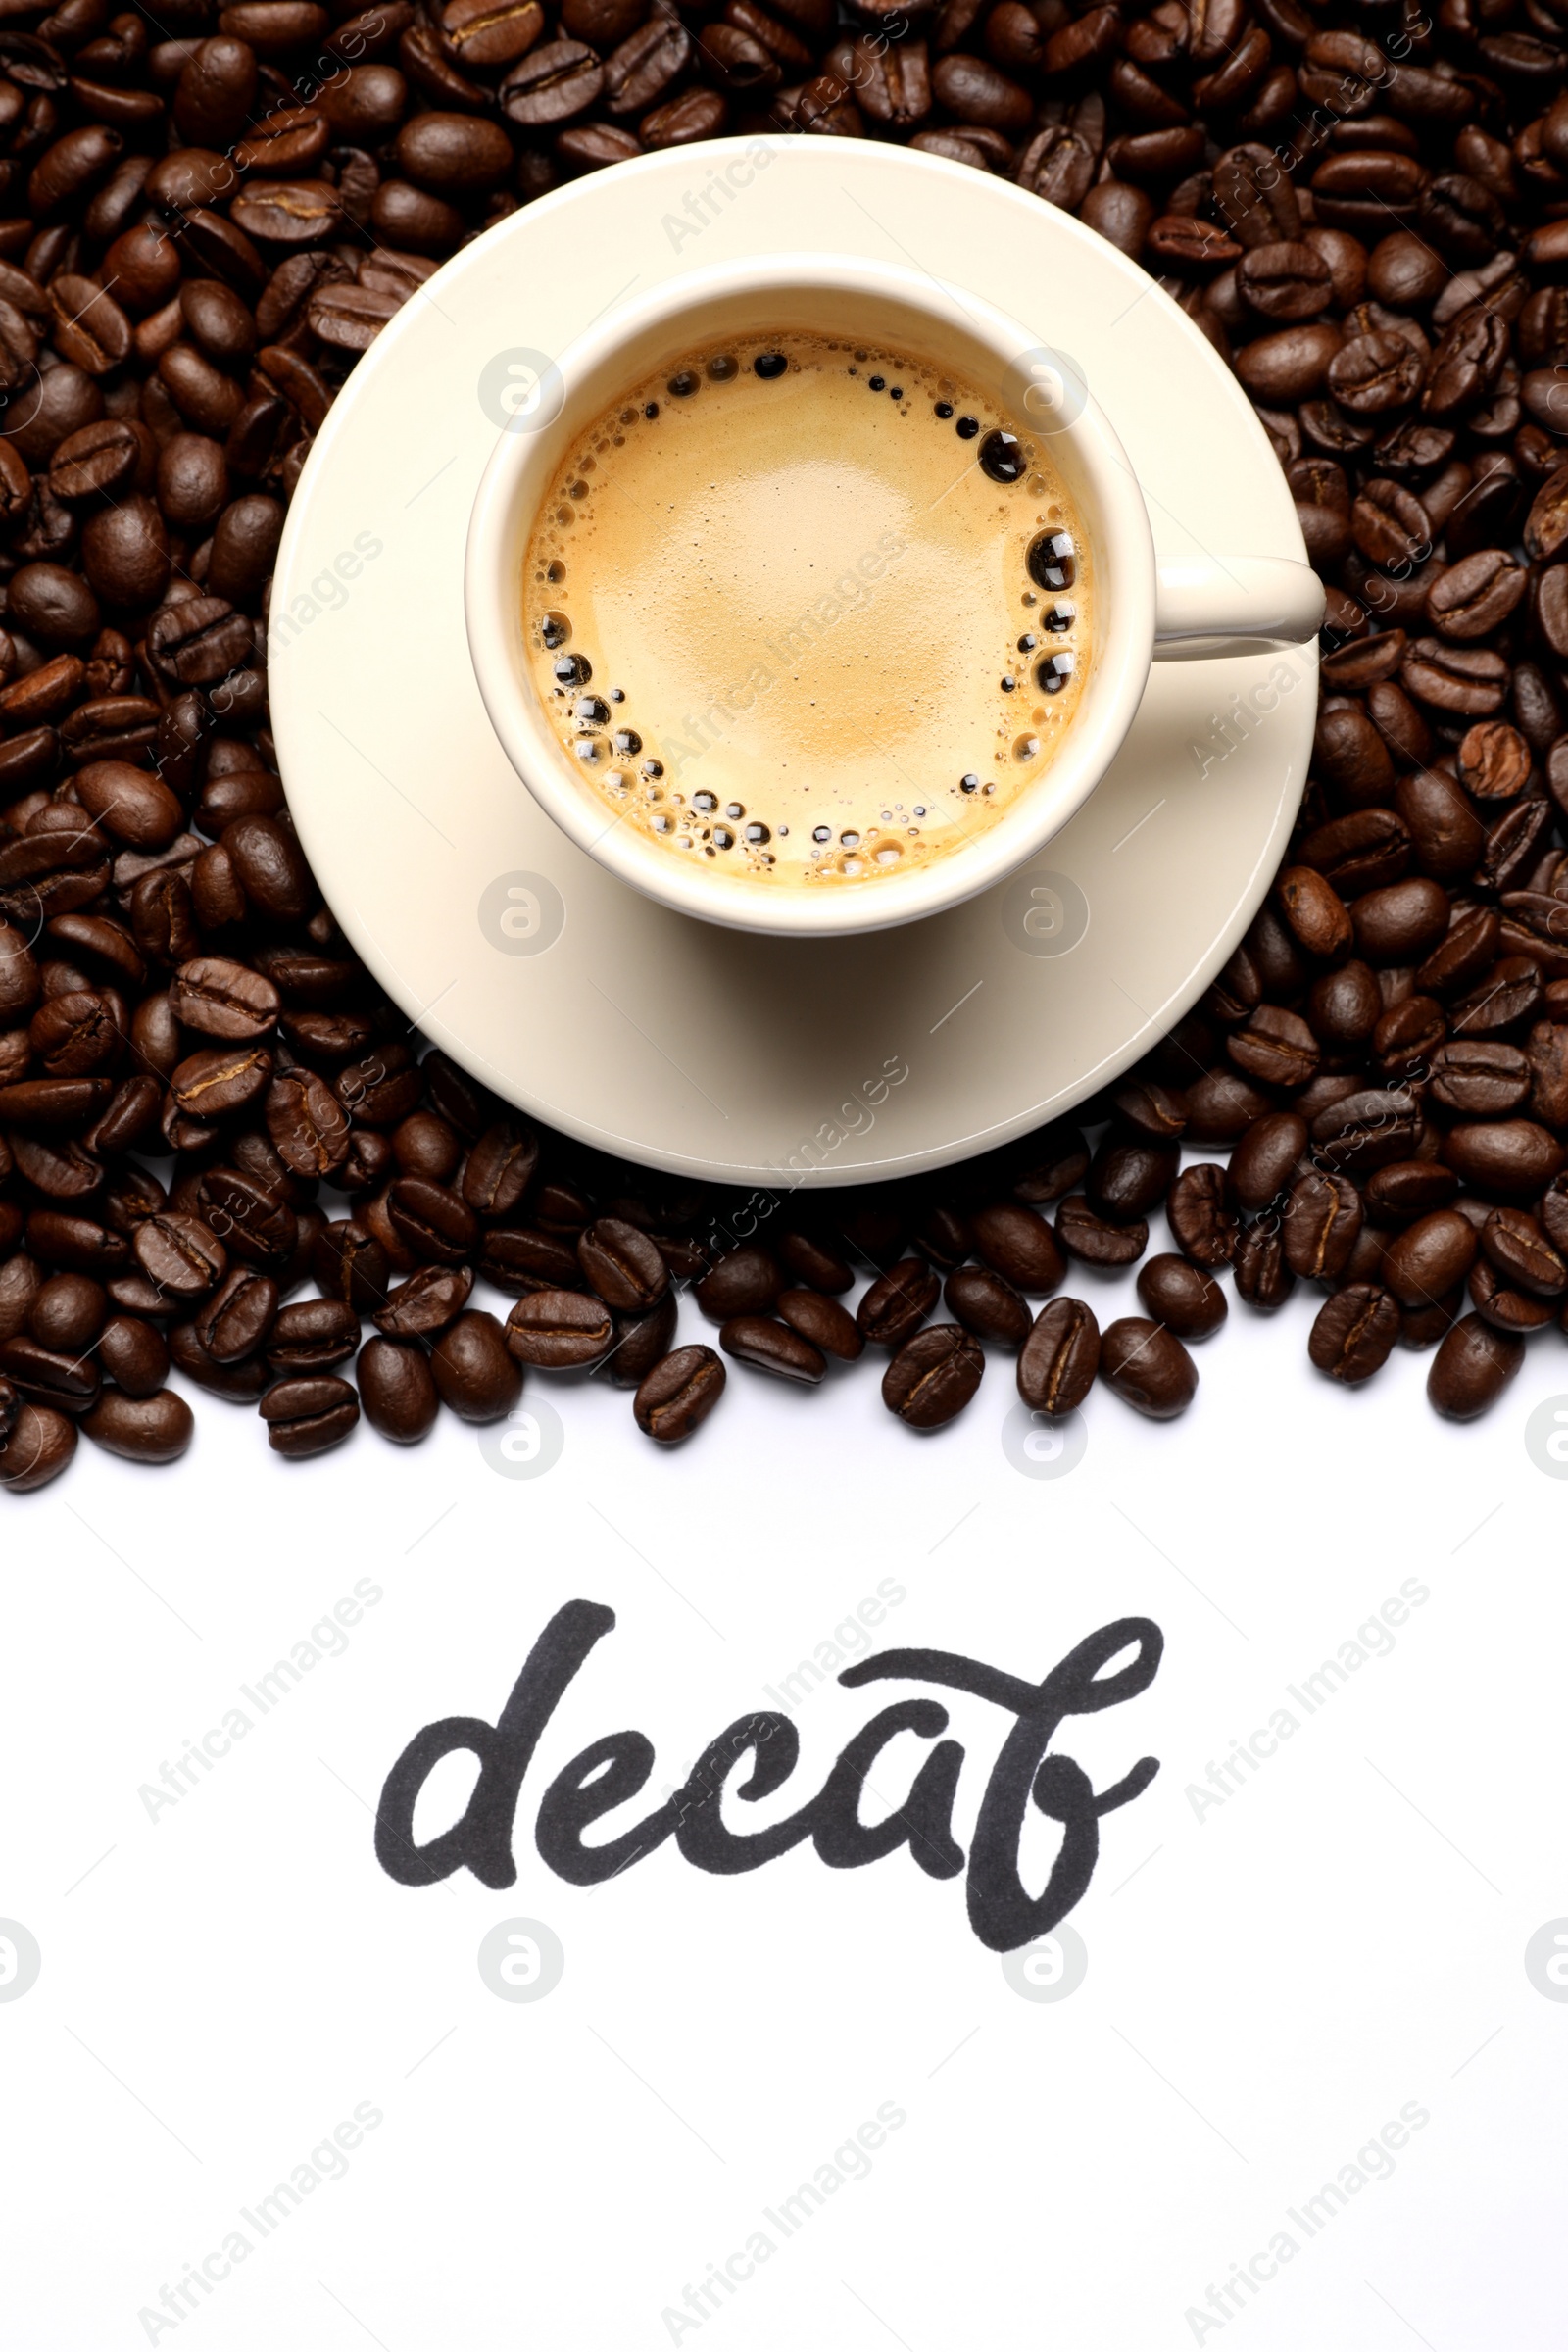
(809, 597)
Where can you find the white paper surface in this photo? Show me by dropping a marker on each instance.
(1270, 1980)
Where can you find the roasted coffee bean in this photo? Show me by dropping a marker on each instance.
(68, 1312)
(1205, 1227)
(311, 1335)
(1264, 1160)
(520, 1258)
(1017, 1243)
(1471, 1369)
(397, 1391)
(1479, 1078)
(179, 1256)
(1429, 1257)
(1059, 1358)
(559, 1330)
(236, 1320)
(223, 998)
(38, 1445)
(309, 1415)
(1094, 1240)
(348, 1263)
(1182, 1297)
(641, 1342)
(499, 1169)
(474, 1375)
(1131, 1176)
(1512, 1159)
(622, 1264)
(677, 1394)
(1263, 1277)
(1354, 1332)
(1504, 1307)
(898, 1303)
(51, 1376)
(773, 1347)
(822, 1321)
(425, 1303)
(1147, 1367)
(141, 1429)
(1221, 1106)
(934, 1376)
(987, 1305)
(1364, 1130)
(812, 1261)
(743, 1282)
(1320, 1226)
(134, 1354)
(434, 1222)
(1150, 1109)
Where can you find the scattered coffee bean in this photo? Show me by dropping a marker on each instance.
(141, 1429)
(1058, 1360)
(986, 1305)
(1184, 1297)
(773, 1347)
(676, 1397)
(559, 1330)
(1147, 1367)
(823, 1322)
(474, 1375)
(933, 1376)
(309, 1415)
(1471, 1369)
(397, 1389)
(898, 1303)
(1354, 1332)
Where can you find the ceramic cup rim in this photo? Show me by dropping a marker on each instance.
(975, 335)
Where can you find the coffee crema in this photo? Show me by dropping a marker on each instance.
(808, 611)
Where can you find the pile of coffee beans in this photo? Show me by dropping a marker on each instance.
(221, 1150)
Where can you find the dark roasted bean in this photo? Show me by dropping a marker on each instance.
(1471, 1369)
(1094, 1240)
(1355, 1332)
(1059, 1358)
(641, 1342)
(1320, 1226)
(1263, 1277)
(828, 1324)
(987, 1305)
(622, 1264)
(744, 1282)
(898, 1303)
(1147, 1368)
(309, 1415)
(397, 1391)
(677, 1394)
(141, 1429)
(773, 1347)
(559, 1330)
(1182, 1297)
(934, 1376)
(38, 1447)
(473, 1373)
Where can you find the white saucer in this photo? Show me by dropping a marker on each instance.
(672, 1041)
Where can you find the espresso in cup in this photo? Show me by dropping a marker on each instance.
(808, 611)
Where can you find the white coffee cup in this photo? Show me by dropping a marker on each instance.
(1144, 612)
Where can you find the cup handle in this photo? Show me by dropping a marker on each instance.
(1241, 604)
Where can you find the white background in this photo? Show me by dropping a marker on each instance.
(1268, 1985)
